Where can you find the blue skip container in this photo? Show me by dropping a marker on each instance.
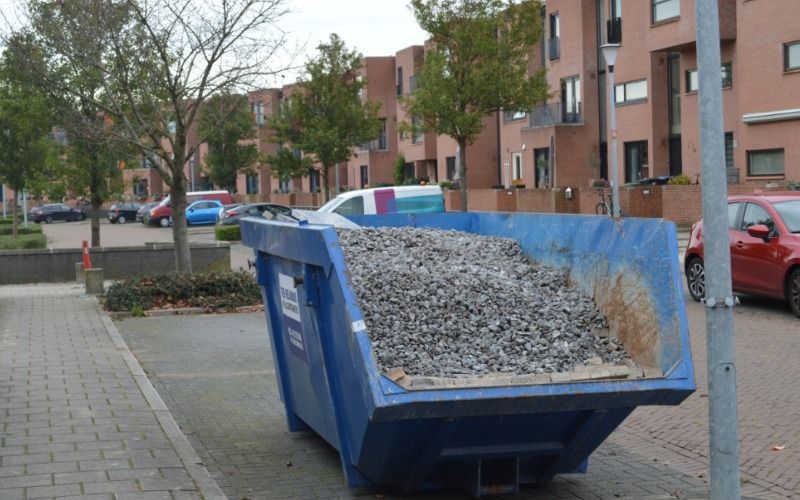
(488, 438)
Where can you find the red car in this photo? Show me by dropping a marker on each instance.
(764, 236)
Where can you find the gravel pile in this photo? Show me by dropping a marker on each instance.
(448, 304)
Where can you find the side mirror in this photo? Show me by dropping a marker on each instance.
(759, 231)
(191, 209)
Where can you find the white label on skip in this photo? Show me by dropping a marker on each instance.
(289, 303)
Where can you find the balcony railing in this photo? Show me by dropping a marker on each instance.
(554, 46)
(614, 30)
(555, 113)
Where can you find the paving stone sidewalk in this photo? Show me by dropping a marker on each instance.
(78, 417)
(216, 375)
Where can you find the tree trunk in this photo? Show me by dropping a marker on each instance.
(95, 223)
(14, 229)
(180, 231)
(462, 175)
(325, 171)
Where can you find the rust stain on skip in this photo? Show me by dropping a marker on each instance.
(632, 318)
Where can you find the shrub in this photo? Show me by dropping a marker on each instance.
(446, 185)
(399, 170)
(212, 291)
(793, 186)
(680, 180)
(23, 242)
(227, 233)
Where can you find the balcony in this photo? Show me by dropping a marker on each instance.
(555, 113)
(614, 30)
(554, 47)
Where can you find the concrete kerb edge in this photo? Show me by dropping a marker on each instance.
(208, 488)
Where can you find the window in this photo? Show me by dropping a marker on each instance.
(791, 56)
(314, 181)
(636, 161)
(665, 9)
(631, 92)
(516, 166)
(726, 73)
(571, 99)
(765, 162)
(451, 167)
(400, 81)
(408, 171)
(382, 142)
(754, 214)
(510, 116)
(251, 182)
(733, 211)
(364, 176)
(353, 206)
(729, 149)
(555, 36)
(416, 133)
(259, 113)
(140, 187)
(285, 185)
(412, 83)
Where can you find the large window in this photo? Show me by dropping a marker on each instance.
(259, 111)
(416, 133)
(510, 116)
(555, 37)
(726, 74)
(314, 181)
(765, 162)
(729, 149)
(400, 81)
(631, 92)
(364, 176)
(665, 9)
(451, 167)
(571, 99)
(516, 166)
(791, 56)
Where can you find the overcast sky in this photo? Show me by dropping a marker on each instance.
(373, 27)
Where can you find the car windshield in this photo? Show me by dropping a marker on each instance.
(328, 206)
(790, 213)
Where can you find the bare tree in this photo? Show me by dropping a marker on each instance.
(160, 61)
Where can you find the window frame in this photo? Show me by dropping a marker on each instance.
(693, 71)
(654, 3)
(750, 154)
(786, 46)
(624, 86)
(516, 161)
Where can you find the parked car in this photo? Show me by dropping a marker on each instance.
(388, 200)
(123, 212)
(203, 212)
(764, 236)
(161, 215)
(54, 212)
(144, 209)
(231, 216)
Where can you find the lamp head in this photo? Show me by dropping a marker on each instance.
(610, 54)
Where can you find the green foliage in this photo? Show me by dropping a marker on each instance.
(137, 311)
(286, 164)
(211, 291)
(326, 117)
(228, 233)
(446, 185)
(477, 64)
(6, 229)
(793, 186)
(680, 180)
(399, 170)
(23, 241)
(225, 121)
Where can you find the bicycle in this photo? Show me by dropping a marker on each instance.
(604, 207)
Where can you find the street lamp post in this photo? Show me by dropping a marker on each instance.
(610, 55)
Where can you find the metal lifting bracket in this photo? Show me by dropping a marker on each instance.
(713, 303)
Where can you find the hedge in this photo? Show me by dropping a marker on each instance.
(6, 229)
(23, 241)
(225, 290)
(228, 233)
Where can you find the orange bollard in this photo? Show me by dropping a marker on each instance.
(87, 261)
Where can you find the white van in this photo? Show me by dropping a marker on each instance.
(388, 200)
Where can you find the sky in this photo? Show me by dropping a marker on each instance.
(373, 27)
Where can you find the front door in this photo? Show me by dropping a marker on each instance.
(753, 258)
(541, 158)
(635, 160)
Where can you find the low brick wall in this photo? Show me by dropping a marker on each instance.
(58, 265)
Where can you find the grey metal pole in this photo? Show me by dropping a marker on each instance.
(612, 125)
(24, 209)
(722, 413)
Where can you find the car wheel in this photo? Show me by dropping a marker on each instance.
(48, 219)
(793, 292)
(121, 219)
(163, 222)
(696, 278)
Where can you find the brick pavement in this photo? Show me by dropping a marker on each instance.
(215, 374)
(78, 417)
